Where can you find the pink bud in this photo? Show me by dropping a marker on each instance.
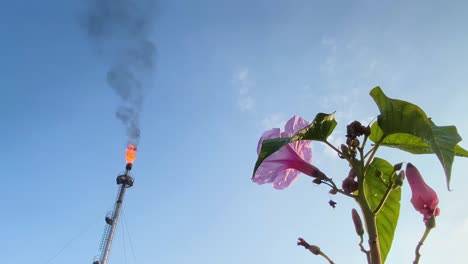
(424, 198)
(357, 222)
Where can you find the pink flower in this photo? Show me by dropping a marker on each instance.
(424, 198)
(284, 166)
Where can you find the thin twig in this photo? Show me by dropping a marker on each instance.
(333, 147)
(326, 257)
(314, 249)
(367, 252)
(334, 187)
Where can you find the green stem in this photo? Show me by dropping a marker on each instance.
(382, 202)
(364, 142)
(361, 246)
(333, 147)
(374, 246)
(374, 150)
(371, 223)
(421, 242)
(326, 257)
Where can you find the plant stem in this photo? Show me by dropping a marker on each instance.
(371, 225)
(364, 142)
(370, 221)
(332, 184)
(421, 242)
(364, 250)
(313, 249)
(384, 198)
(374, 150)
(326, 257)
(333, 147)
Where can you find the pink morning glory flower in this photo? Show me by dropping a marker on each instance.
(284, 166)
(424, 198)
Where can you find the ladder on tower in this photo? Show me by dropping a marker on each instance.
(107, 227)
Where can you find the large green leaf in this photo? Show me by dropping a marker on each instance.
(400, 117)
(319, 130)
(407, 142)
(374, 189)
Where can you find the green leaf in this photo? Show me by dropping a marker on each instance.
(318, 130)
(270, 146)
(399, 117)
(387, 218)
(407, 142)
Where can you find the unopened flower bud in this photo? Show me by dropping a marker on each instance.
(322, 176)
(333, 191)
(349, 185)
(332, 203)
(317, 181)
(344, 150)
(357, 222)
(397, 166)
(355, 143)
(314, 249)
(355, 129)
(399, 180)
(367, 131)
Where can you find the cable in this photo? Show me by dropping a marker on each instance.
(123, 240)
(129, 238)
(70, 242)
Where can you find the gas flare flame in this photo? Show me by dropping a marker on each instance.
(130, 154)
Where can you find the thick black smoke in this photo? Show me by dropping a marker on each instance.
(120, 30)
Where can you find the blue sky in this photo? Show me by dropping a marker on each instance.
(226, 71)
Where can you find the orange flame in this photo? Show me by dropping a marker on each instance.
(130, 153)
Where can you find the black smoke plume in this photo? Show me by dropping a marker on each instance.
(120, 30)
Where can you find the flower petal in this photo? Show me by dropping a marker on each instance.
(285, 178)
(269, 134)
(293, 125)
(284, 166)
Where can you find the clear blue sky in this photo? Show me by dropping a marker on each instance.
(226, 71)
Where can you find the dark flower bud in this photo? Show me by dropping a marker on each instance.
(317, 181)
(397, 166)
(302, 242)
(333, 191)
(349, 185)
(355, 129)
(399, 180)
(344, 150)
(320, 175)
(367, 132)
(312, 248)
(332, 203)
(357, 222)
(352, 174)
